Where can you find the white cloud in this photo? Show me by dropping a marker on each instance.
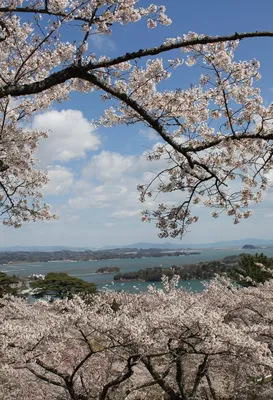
(106, 197)
(98, 196)
(108, 166)
(81, 186)
(149, 133)
(268, 215)
(116, 190)
(74, 217)
(111, 166)
(104, 208)
(126, 213)
(109, 225)
(60, 180)
(71, 135)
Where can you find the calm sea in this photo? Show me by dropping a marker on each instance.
(87, 269)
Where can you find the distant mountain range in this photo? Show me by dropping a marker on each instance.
(145, 245)
(44, 248)
(238, 243)
(228, 243)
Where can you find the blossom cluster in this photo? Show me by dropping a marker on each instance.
(21, 182)
(218, 133)
(116, 345)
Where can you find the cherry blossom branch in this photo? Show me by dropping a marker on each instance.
(44, 40)
(44, 11)
(178, 45)
(153, 122)
(74, 71)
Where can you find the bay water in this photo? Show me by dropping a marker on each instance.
(87, 269)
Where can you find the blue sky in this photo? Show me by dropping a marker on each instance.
(95, 171)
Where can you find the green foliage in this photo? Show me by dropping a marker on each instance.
(248, 268)
(203, 270)
(8, 284)
(107, 270)
(60, 284)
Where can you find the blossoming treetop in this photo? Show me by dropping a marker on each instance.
(169, 344)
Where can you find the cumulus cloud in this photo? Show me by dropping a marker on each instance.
(60, 180)
(109, 225)
(126, 213)
(110, 181)
(71, 135)
(149, 134)
(108, 166)
(113, 166)
(100, 196)
(108, 186)
(104, 206)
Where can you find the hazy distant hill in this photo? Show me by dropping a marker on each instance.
(145, 245)
(44, 248)
(242, 242)
(181, 245)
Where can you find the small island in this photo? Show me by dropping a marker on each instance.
(107, 270)
(200, 271)
(249, 246)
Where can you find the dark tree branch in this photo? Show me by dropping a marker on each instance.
(37, 87)
(181, 44)
(81, 363)
(44, 378)
(131, 362)
(180, 378)
(52, 370)
(160, 381)
(201, 371)
(75, 71)
(44, 11)
(211, 388)
(153, 122)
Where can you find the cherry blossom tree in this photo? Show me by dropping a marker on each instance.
(169, 344)
(213, 133)
(21, 183)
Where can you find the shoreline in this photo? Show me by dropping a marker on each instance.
(95, 260)
(133, 280)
